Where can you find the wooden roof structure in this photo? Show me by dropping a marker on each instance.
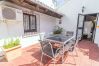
(36, 7)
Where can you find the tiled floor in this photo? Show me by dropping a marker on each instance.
(87, 55)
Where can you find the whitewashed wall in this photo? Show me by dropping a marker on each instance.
(91, 6)
(71, 10)
(45, 24)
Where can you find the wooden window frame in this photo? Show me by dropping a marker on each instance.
(30, 30)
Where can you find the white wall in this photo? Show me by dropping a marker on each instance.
(45, 24)
(91, 6)
(71, 10)
(11, 28)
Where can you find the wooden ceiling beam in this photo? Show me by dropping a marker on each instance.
(21, 1)
(37, 7)
(30, 5)
(46, 10)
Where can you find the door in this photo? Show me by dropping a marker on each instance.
(96, 40)
(80, 25)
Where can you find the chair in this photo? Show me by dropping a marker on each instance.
(69, 43)
(73, 43)
(69, 33)
(41, 36)
(67, 46)
(49, 51)
(72, 48)
(2, 54)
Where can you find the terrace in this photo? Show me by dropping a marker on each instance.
(87, 56)
(30, 18)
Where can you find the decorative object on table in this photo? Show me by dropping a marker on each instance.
(57, 30)
(12, 49)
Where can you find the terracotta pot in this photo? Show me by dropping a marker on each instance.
(13, 53)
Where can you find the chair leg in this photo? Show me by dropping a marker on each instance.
(76, 52)
(62, 58)
(73, 58)
(54, 61)
(41, 59)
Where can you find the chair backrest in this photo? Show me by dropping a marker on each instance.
(2, 53)
(68, 43)
(73, 46)
(76, 43)
(69, 33)
(41, 36)
(46, 48)
(71, 39)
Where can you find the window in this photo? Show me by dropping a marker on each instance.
(29, 22)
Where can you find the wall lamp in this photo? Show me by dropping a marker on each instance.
(83, 9)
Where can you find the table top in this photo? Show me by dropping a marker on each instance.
(61, 40)
(58, 39)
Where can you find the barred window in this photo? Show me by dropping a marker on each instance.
(29, 22)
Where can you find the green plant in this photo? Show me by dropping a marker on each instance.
(11, 43)
(57, 30)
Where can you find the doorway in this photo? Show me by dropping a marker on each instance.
(89, 27)
(86, 27)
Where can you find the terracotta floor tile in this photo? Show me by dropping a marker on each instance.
(87, 55)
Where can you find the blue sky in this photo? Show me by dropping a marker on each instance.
(60, 2)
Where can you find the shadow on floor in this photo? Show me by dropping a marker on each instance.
(86, 47)
(90, 49)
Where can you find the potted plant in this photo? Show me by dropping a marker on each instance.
(57, 30)
(12, 49)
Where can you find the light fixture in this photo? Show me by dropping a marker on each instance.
(60, 21)
(83, 9)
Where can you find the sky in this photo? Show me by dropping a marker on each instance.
(48, 3)
(51, 4)
(60, 2)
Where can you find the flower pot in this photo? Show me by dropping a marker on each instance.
(13, 53)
